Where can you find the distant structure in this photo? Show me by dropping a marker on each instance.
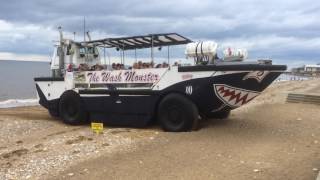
(307, 70)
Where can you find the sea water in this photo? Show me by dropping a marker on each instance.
(16, 82)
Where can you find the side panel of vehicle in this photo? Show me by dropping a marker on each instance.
(219, 91)
(118, 109)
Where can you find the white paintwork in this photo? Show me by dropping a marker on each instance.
(52, 89)
(69, 80)
(172, 76)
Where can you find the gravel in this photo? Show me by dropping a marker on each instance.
(36, 148)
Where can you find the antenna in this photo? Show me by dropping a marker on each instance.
(84, 28)
(152, 48)
(89, 37)
(61, 34)
(84, 38)
(61, 53)
(168, 54)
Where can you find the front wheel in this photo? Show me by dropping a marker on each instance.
(71, 108)
(176, 113)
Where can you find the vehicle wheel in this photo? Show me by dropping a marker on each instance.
(219, 115)
(53, 113)
(71, 108)
(176, 113)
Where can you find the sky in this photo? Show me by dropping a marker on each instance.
(288, 32)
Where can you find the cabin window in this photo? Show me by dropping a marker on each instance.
(96, 52)
(69, 49)
(88, 50)
(82, 51)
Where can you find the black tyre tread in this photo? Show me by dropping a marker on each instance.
(191, 113)
(81, 115)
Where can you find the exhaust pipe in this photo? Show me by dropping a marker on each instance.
(61, 53)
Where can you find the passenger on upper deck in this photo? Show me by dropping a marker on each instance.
(97, 67)
(141, 65)
(117, 66)
(86, 67)
(163, 65)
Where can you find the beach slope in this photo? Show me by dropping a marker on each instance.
(266, 139)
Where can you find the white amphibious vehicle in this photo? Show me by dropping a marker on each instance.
(83, 89)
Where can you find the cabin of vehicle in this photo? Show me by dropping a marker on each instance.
(85, 56)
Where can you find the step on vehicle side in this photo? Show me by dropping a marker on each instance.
(82, 89)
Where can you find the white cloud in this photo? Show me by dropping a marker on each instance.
(25, 38)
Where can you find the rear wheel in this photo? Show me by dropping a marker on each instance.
(176, 113)
(71, 108)
(219, 115)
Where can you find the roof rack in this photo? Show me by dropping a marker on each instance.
(139, 42)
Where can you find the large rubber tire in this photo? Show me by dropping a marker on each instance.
(219, 115)
(176, 113)
(53, 113)
(71, 108)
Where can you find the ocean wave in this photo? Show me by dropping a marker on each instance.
(18, 103)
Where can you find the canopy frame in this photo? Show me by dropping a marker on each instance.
(140, 42)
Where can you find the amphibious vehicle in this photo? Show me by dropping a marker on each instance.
(83, 89)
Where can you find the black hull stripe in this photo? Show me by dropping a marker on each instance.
(236, 67)
(48, 79)
(122, 92)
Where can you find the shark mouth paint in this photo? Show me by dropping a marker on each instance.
(232, 96)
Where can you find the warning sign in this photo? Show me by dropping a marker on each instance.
(97, 127)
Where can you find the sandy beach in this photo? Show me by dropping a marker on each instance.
(265, 139)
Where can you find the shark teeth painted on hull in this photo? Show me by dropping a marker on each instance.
(232, 96)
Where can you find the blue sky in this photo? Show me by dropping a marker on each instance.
(286, 31)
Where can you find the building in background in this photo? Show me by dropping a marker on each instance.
(307, 70)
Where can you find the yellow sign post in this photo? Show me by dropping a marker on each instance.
(97, 127)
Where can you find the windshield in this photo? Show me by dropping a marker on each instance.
(88, 50)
